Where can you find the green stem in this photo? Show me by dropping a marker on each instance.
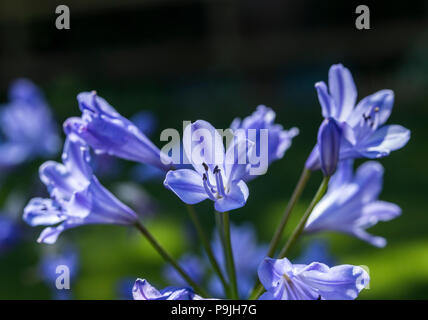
(301, 184)
(165, 255)
(304, 177)
(229, 256)
(301, 226)
(206, 244)
(298, 231)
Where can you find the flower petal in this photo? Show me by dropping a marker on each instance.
(342, 282)
(203, 144)
(329, 140)
(187, 184)
(327, 104)
(342, 90)
(143, 290)
(235, 198)
(41, 211)
(383, 141)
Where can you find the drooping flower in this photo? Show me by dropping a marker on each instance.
(27, 126)
(286, 281)
(365, 135)
(247, 255)
(76, 196)
(351, 203)
(106, 131)
(279, 140)
(217, 175)
(143, 290)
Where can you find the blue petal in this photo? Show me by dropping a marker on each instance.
(143, 290)
(327, 104)
(271, 272)
(384, 140)
(41, 211)
(187, 185)
(236, 165)
(342, 282)
(235, 198)
(203, 144)
(342, 90)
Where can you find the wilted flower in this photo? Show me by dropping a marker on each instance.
(77, 197)
(217, 175)
(364, 132)
(143, 290)
(351, 203)
(27, 126)
(279, 140)
(106, 131)
(285, 281)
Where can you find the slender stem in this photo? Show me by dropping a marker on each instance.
(300, 186)
(229, 256)
(298, 231)
(202, 235)
(301, 226)
(220, 230)
(169, 259)
(304, 177)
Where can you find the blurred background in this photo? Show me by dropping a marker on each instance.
(213, 60)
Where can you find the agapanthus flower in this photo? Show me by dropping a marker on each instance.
(247, 255)
(365, 135)
(351, 203)
(279, 140)
(27, 126)
(143, 290)
(106, 131)
(216, 175)
(76, 196)
(316, 281)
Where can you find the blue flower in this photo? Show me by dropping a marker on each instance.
(247, 255)
(217, 175)
(9, 232)
(191, 264)
(279, 140)
(143, 290)
(76, 196)
(351, 203)
(26, 137)
(106, 131)
(365, 135)
(286, 281)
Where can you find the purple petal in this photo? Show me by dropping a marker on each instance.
(235, 198)
(143, 290)
(342, 90)
(329, 139)
(187, 184)
(327, 104)
(41, 211)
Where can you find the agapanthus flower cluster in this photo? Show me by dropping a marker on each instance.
(220, 168)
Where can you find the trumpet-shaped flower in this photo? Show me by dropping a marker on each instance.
(143, 290)
(316, 281)
(106, 131)
(76, 196)
(216, 175)
(365, 135)
(351, 203)
(279, 140)
(26, 137)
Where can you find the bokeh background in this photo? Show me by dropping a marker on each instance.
(216, 60)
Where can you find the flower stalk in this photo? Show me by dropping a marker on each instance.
(167, 257)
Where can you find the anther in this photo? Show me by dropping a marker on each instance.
(205, 166)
